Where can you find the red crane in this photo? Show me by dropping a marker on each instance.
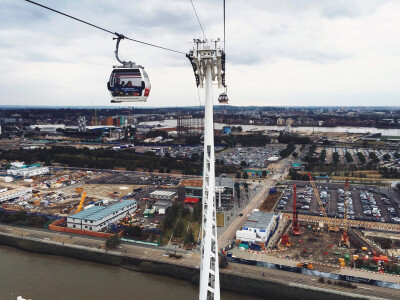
(295, 224)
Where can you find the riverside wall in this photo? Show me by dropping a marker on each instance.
(229, 281)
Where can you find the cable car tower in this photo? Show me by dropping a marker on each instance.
(207, 61)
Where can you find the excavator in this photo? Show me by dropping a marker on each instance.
(308, 266)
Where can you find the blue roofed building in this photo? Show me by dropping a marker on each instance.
(97, 217)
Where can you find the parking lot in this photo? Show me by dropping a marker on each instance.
(387, 158)
(255, 157)
(365, 203)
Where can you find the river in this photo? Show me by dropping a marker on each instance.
(339, 129)
(41, 277)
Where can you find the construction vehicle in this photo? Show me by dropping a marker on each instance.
(321, 205)
(345, 238)
(295, 223)
(308, 266)
(81, 203)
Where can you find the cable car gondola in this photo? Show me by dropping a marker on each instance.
(129, 82)
(223, 98)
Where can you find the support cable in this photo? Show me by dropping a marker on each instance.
(103, 29)
(224, 27)
(204, 35)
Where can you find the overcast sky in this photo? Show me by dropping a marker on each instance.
(279, 52)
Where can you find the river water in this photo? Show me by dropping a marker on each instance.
(339, 129)
(42, 277)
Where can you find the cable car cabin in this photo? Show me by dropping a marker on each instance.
(129, 85)
(223, 98)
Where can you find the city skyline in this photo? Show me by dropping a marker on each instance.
(335, 53)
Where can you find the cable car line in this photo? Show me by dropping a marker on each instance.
(103, 29)
(224, 27)
(204, 35)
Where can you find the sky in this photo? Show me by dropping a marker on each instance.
(279, 52)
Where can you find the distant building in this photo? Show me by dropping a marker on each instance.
(226, 129)
(97, 217)
(15, 194)
(280, 122)
(289, 121)
(19, 169)
(50, 128)
(257, 227)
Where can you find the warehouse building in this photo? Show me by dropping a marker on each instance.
(20, 169)
(257, 227)
(97, 217)
(15, 194)
(161, 206)
(162, 195)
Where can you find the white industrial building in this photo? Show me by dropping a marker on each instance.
(19, 169)
(51, 128)
(18, 194)
(97, 217)
(162, 195)
(161, 206)
(257, 227)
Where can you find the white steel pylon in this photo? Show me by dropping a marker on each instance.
(206, 62)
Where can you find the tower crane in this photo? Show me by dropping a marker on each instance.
(295, 224)
(321, 205)
(345, 238)
(81, 203)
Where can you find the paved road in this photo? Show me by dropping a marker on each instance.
(229, 234)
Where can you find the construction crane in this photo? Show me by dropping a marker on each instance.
(81, 203)
(295, 224)
(345, 238)
(321, 205)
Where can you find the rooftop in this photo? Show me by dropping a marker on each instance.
(163, 193)
(259, 219)
(198, 183)
(96, 213)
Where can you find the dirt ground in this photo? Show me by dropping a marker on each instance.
(104, 191)
(269, 203)
(308, 247)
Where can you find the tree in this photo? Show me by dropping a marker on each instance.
(295, 154)
(189, 239)
(223, 261)
(264, 173)
(336, 157)
(179, 229)
(113, 241)
(245, 175)
(238, 175)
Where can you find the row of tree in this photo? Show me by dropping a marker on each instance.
(109, 159)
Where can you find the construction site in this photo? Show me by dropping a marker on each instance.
(319, 242)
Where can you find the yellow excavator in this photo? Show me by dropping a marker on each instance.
(308, 266)
(81, 203)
